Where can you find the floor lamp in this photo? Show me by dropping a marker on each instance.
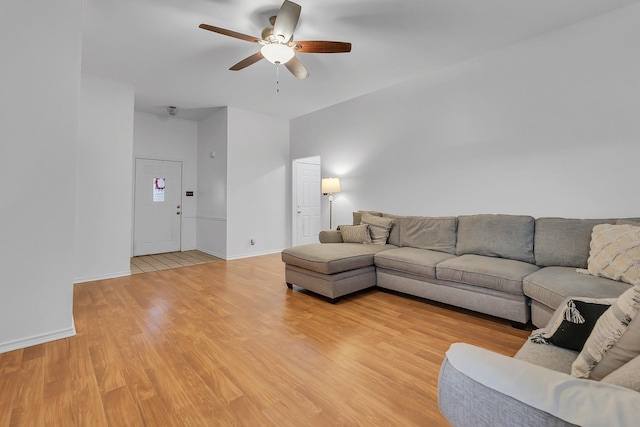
(330, 186)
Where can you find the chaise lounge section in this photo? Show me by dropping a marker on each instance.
(332, 269)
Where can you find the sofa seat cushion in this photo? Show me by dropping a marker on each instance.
(331, 258)
(548, 356)
(501, 274)
(628, 375)
(421, 262)
(551, 285)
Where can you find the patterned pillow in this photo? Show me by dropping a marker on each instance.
(615, 253)
(379, 228)
(614, 340)
(355, 234)
(573, 322)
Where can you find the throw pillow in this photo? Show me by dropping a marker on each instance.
(379, 228)
(605, 350)
(573, 324)
(357, 216)
(628, 375)
(615, 253)
(355, 234)
(626, 348)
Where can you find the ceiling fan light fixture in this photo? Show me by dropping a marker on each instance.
(277, 53)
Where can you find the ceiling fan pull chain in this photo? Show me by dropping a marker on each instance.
(278, 77)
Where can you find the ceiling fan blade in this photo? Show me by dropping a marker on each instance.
(247, 61)
(297, 69)
(230, 33)
(321, 47)
(287, 20)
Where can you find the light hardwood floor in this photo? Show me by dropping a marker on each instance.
(227, 343)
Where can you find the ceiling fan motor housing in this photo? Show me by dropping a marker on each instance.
(267, 34)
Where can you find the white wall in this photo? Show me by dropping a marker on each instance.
(40, 87)
(258, 174)
(212, 184)
(546, 127)
(104, 188)
(171, 138)
(242, 191)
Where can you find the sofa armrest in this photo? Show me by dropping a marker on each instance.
(478, 387)
(330, 236)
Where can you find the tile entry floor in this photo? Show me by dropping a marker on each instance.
(146, 263)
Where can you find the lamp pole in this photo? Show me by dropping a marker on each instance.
(330, 186)
(330, 211)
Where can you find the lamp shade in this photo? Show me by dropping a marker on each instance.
(330, 185)
(277, 53)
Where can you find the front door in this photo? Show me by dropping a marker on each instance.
(158, 207)
(307, 202)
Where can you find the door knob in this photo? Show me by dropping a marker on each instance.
(299, 210)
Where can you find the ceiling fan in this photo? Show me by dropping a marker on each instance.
(278, 46)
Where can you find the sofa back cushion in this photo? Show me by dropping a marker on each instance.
(564, 242)
(435, 233)
(504, 236)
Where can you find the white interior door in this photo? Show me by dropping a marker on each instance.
(306, 202)
(158, 207)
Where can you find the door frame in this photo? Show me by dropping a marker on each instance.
(133, 195)
(314, 160)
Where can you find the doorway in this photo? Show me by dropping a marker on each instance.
(157, 207)
(306, 200)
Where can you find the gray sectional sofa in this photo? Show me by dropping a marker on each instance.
(511, 266)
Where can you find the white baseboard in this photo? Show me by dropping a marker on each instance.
(37, 339)
(240, 256)
(102, 277)
(212, 253)
(252, 254)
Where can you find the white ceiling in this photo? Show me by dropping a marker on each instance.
(156, 46)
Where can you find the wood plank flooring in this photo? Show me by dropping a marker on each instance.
(227, 344)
